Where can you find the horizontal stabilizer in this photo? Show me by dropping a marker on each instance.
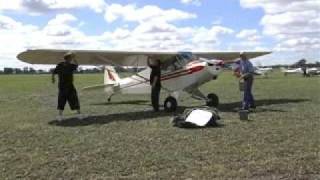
(97, 87)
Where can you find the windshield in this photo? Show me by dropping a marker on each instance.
(178, 61)
(185, 56)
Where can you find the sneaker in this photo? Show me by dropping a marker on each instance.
(244, 109)
(59, 118)
(81, 116)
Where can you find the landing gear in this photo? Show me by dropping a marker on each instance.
(213, 100)
(170, 104)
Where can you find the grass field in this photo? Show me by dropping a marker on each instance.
(125, 140)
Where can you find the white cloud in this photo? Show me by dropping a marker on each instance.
(193, 2)
(147, 13)
(8, 23)
(249, 35)
(295, 24)
(166, 37)
(43, 6)
(209, 36)
(155, 30)
(13, 34)
(10, 5)
(57, 34)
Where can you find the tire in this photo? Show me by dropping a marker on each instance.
(170, 104)
(213, 100)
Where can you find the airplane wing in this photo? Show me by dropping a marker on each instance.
(118, 58)
(229, 56)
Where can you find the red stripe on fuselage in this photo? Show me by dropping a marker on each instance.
(172, 75)
(182, 73)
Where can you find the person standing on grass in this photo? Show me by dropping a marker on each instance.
(246, 72)
(67, 91)
(155, 82)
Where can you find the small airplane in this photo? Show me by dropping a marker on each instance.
(309, 71)
(291, 71)
(264, 72)
(313, 71)
(180, 71)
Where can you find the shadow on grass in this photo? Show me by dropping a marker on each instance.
(234, 106)
(132, 102)
(105, 119)
(147, 115)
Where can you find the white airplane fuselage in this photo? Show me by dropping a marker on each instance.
(190, 76)
(262, 71)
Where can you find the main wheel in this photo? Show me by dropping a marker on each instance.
(170, 104)
(213, 100)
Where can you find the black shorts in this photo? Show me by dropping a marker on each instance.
(68, 94)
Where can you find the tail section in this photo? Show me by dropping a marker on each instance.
(110, 75)
(111, 81)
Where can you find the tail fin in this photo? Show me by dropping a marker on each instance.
(110, 75)
(111, 81)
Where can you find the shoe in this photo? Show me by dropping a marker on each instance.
(59, 118)
(244, 109)
(81, 116)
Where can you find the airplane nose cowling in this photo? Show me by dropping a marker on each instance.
(215, 67)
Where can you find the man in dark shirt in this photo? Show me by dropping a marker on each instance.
(304, 70)
(155, 82)
(67, 91)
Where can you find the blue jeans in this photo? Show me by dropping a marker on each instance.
(248, 100)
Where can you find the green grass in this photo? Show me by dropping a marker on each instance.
(126, 140)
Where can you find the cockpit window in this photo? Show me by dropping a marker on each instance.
(185, 56)
(179, 61)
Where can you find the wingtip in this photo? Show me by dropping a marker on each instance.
(23, 56)
(20, 56)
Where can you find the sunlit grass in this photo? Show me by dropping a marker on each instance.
(127, 140)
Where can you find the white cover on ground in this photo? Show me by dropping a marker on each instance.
(199, 117)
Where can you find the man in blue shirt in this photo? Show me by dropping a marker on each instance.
(247, 70)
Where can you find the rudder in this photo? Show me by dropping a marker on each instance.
(110, 75)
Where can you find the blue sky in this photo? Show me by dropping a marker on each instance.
(291, 29)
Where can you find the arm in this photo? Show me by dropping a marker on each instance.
(148, 61)
(54, 72)
(53, 79)
(75, 61)
(75, 64)
(154, 81)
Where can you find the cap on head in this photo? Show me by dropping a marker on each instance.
(243, 54)
(68, 54)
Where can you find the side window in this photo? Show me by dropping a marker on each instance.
(177, 62)
(171, 65)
